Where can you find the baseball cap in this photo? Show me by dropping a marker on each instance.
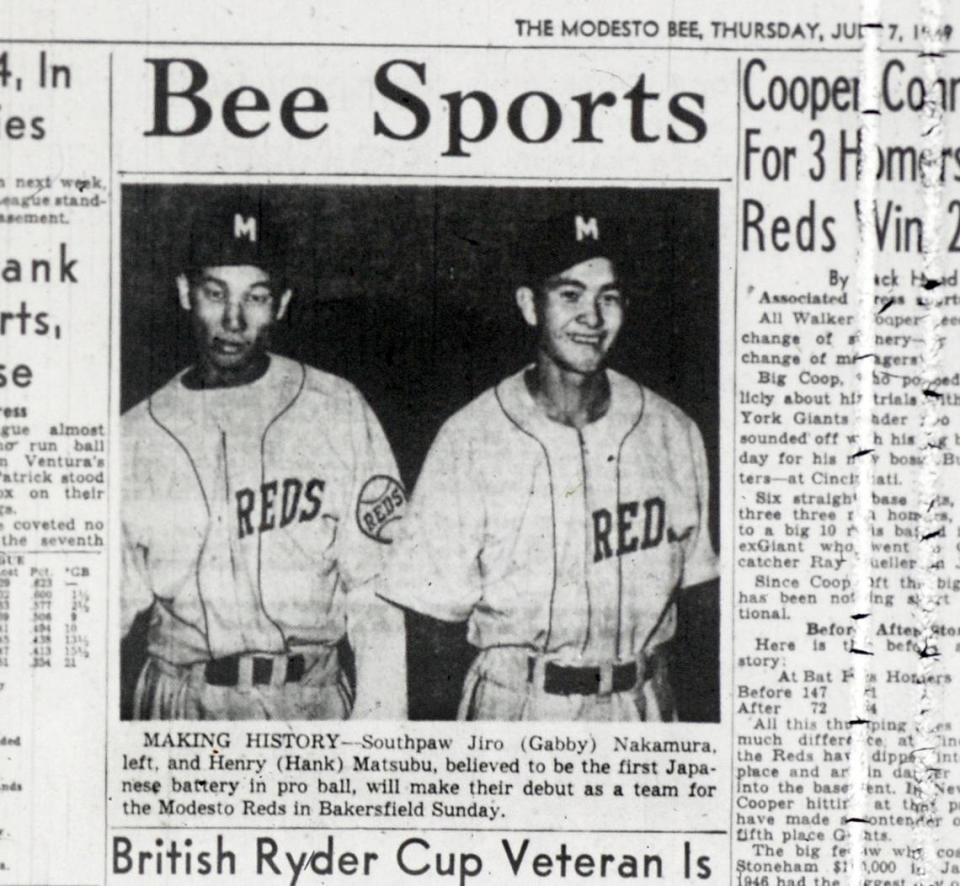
(236, 233)
(547, 246)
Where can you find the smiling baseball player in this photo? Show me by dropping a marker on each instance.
(560, 512)
(259, 498)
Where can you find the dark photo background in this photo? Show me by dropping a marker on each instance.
(408, 293)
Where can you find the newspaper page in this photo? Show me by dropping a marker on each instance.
(585, 372)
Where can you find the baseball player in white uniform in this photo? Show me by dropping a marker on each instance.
(561, 511)
(259, 498)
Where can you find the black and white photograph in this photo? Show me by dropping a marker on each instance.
(419, 452)
(441, 442)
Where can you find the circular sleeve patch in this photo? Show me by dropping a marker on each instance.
(380, 503)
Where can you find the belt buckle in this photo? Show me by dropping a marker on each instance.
(605, 686)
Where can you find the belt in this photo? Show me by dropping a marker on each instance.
(226, 671)
(602, 679)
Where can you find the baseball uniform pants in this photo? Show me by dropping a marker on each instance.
(306, 686)
(511, 683)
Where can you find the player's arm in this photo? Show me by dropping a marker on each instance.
(700, 560)
(136, 590)
(693, 655)
(435, 568)
(375, 626)
(377, 634)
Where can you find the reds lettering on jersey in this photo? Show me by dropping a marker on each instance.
(626, 537)
(277, 504)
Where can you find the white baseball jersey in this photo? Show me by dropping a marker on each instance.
(562, 541)
(254, 515)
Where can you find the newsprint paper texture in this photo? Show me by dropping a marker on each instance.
(588, 372)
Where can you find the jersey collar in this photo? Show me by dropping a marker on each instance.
(182, 409)
(623, 414)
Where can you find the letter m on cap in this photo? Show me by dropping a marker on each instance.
(586, 228)
(244, 228)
